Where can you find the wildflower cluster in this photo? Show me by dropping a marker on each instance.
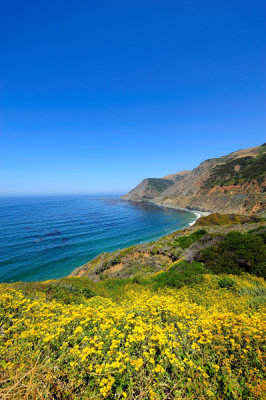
(188, 343)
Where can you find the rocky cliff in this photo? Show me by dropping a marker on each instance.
(230, 184)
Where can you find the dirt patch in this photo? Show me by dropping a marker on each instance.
(115, 268)
(247, 187)
(146, 254)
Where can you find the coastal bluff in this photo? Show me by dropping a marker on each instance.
(234, 183)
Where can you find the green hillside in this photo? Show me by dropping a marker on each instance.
(238, 171)
(188, 324)
(159, 184)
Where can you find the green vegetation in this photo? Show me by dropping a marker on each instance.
(226, 282)
(160, 184)
(143, 260)
(179, 275)
(256, 294)
(73, 290)
(166, 330)
(238, 171)
(236, 253)
(226, 219)
(185, 241)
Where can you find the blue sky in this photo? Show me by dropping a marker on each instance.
(97, 95)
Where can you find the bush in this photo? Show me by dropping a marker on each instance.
(226, 219)
(186, 241)
(226, 283)
(181, 274)
(257, 295)
(237, 253)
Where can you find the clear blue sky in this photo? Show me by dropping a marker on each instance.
(97, 95)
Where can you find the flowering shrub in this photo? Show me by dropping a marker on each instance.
(202, 342)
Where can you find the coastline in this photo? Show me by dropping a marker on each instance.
(197, 213)
(75, 230)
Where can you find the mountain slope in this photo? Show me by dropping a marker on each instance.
(230, 184)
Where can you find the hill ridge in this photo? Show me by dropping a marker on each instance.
(233, 183)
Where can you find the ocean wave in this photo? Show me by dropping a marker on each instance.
(198, 215)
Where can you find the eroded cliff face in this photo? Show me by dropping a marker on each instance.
(230, 184)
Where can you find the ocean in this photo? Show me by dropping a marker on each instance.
(44, 238)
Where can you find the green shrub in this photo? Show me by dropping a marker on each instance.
(237, 253)
(116, 259)
(181, 274)
(226, 283)
(186, 241)
(226, 219)
(257, 295)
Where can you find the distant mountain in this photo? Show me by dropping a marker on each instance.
(230, 184)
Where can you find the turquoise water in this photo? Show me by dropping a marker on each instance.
(47, 237)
